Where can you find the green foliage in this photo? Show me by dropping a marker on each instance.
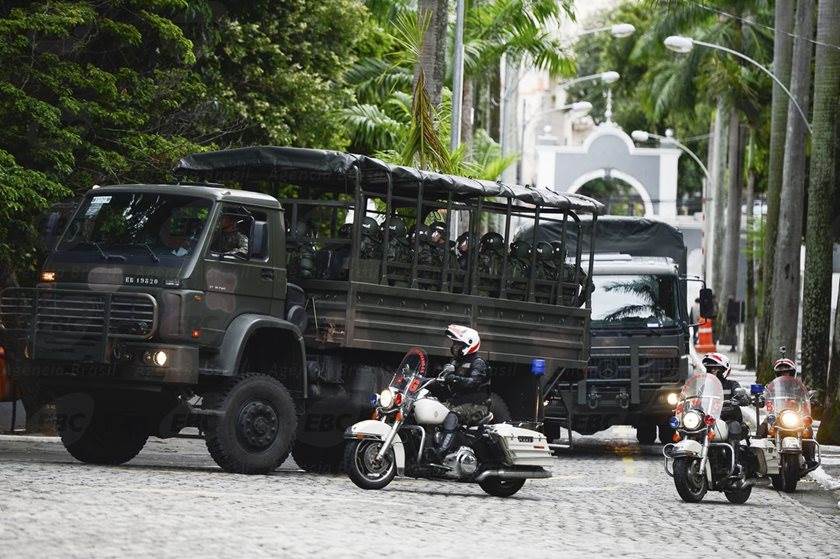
(106, 92)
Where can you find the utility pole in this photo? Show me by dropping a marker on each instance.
(457, 78)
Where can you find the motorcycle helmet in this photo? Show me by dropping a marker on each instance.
(717, 364)
(299, 231)
(437, 233)
(545, 252)
(465, 340)
(491, 242)
(423, 231)
(397, 229)
(521, 250)
(559, 251)
(784, 366)
(463, 243)
(370, 228)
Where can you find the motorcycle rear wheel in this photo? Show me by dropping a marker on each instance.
(690, 483)
(789, 476)
(501, 487)
(359, 465)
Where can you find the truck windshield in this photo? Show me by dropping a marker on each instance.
(634, 300)
(135, 227)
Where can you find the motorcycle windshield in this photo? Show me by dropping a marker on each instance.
(407, 377)
(701, 392)
(787, 393)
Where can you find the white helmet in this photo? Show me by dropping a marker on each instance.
(717, 364)
(466, 337)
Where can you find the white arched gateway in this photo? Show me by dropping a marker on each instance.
(610, 152)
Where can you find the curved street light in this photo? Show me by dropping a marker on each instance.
(641, 136)
(617, 30)
(605, 77)
(683, 45)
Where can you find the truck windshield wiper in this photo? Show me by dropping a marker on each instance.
(148, 248)
(102, 252)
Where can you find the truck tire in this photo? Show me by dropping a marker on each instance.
(254, 432)
(499, 409)
(646, 433)
(93, 434)
(319, 443)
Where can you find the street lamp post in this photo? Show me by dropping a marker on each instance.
(642, 136)
(682, 45)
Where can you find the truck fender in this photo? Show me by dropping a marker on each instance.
(377, 430)
(227, 360)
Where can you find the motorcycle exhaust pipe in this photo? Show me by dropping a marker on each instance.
(759, 482)
(513, 474)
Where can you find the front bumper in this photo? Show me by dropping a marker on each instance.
(181, 366)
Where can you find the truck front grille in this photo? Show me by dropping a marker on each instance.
(619, 367)
(64, 315)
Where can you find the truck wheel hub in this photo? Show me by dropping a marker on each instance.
(258, 425)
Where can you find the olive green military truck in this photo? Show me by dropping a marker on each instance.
(266, 323)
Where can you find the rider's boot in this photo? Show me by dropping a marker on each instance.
(448, 434)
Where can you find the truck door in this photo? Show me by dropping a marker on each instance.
(239, 265)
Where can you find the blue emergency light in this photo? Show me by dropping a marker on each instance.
(756, 389)
(674, 422)
(538, 367)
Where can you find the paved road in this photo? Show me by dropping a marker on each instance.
(608, 498)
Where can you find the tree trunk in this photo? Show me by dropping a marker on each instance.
(782, 51)
(749, 320)
(829, 431)
(467, 110)
(494, 103)
(708, 208)
(433, 52)
(732, 243)
(785, 291)
(816, 306)
(721, 124)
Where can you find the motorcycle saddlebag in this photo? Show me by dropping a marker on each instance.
(521, 447)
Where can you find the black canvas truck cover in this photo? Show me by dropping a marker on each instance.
(636, 236)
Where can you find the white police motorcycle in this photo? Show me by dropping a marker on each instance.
(785, 430)
(703, 459)
(499, 457)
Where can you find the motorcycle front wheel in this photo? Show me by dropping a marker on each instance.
(738, 496)
(789, 476)
(690, 481)
(363, 469)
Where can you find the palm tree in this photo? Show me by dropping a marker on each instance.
(816, 312)
(784, 296)
(782, 52)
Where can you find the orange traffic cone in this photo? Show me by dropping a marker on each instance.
(705, 338)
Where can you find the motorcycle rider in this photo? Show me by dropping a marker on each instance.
(468, 383)
(718, 364)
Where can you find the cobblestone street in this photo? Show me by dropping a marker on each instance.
(610, 497)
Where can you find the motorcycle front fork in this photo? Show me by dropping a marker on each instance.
(389, 440)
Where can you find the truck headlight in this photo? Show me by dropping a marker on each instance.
(672, 399)
(692, 420)
(158, 357)
(789, 419)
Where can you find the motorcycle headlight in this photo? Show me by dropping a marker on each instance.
(386, 398)
(790, 420)
(692, 420)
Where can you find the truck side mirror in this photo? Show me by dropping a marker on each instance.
(707, 303)
(258, 239)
